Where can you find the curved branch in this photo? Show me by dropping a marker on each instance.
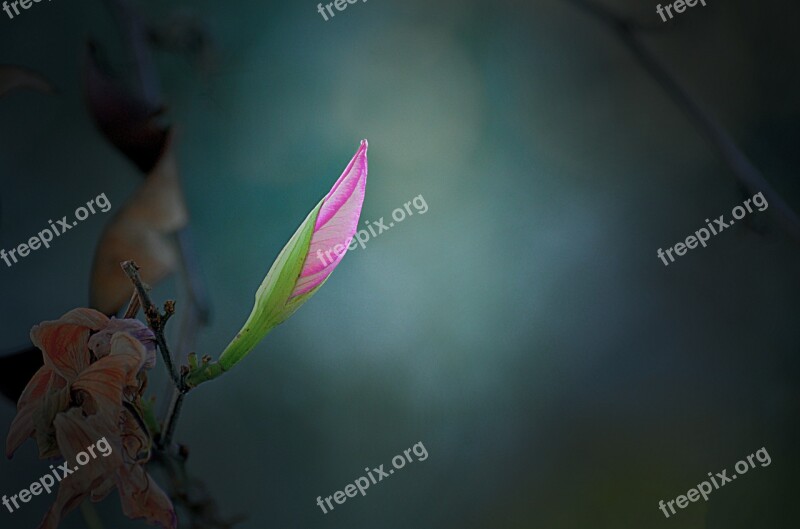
(745, 171)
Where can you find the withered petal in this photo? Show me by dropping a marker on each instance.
(64, 346)
(100, 343)
(75, 434)
(22, 426)
(141, 497)
(84, 317)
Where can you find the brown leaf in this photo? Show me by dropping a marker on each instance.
(12, 77)
(141, 231)
(128, 122)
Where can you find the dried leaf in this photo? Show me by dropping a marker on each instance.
(12, 77)
(129, 123)
(141, 231)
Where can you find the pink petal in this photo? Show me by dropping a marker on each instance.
(336, 223)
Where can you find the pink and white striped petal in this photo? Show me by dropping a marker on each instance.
(336, 224)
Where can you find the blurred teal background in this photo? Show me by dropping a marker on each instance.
(523, 328)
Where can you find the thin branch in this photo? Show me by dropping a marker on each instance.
(195, 316)
(133, 306)
(172, 418)
(745, 171)
(155, 320)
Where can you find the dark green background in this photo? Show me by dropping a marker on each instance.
(523, 328)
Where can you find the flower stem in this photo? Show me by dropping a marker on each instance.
(208, 371)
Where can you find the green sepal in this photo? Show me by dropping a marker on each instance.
(272, 306)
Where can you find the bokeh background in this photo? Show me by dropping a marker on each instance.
(523, 328)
